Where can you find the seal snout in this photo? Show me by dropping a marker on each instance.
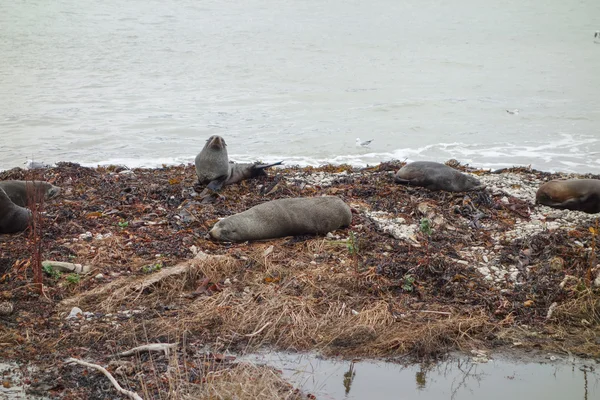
(216, 142)
(53, 192)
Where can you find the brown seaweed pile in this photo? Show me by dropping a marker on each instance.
(407, 278)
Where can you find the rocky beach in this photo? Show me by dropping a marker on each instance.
(417, 274)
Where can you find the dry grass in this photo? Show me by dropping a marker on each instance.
(316, 307)
(583, 310)
(243, 382)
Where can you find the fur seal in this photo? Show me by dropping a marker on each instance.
(436, 176)
(284, 217)
(214, 169)
(22, 192)
(212, 163)
(571, 194)
(13, 218)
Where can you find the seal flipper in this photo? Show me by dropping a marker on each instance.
(263, 166)
(239, 172)
(217, 184)
(259, 169)
(402, 181)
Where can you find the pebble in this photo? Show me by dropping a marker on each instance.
(75, 311)
(99, 276)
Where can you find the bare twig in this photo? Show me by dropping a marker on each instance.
(166, 347)
(258, 331)
(128, 393)
(436, 312)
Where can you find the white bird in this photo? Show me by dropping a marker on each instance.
(360, 143)
(513, 112)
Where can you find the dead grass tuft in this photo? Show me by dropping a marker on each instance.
(583, 310)
(437, 336)
(244, 382)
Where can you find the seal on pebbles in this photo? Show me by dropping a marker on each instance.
(284, 217)
(13, 218)
(436, 176)
(23, 192)
(571, 194)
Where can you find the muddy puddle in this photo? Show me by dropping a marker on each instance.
(460, 377)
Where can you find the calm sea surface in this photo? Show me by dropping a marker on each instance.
(147, 82)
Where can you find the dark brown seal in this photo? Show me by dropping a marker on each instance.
(23, 193)
(436, 176)
(571, 194)
(284, 217)
(13, 218)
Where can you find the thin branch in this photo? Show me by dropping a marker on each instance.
(149, 347)
(258, 331)
(128, 393)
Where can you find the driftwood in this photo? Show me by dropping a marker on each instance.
(128, 393)
(67, 267)
(126, 286)
(165, 347)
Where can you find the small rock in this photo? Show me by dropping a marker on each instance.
(227, 282)
(75, 312)
(597, 280)
(268, 251)
(6, 308)
(86, 236)
(99, 276)
(557, 264)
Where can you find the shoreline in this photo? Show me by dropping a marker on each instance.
(493, 270)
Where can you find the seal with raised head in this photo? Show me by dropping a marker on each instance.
(23, 192)
(571, 194)
(284, 217)
(13, 218)
(212, 163)
(436, 176)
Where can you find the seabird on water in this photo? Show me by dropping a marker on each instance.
(360, 143)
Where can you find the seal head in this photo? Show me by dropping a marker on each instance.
(23, 193)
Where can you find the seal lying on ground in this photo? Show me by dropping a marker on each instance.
(436, 176)
(571, 194)
(284, 217)
(23, 192)
(239, 172)
(214, 169)
(13, 218)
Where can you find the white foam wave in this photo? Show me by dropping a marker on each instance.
(565, 153)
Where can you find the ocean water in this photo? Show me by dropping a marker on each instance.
(147, 82)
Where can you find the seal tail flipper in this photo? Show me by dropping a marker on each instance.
(402, 181)
(259, 169)
(263, 166)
